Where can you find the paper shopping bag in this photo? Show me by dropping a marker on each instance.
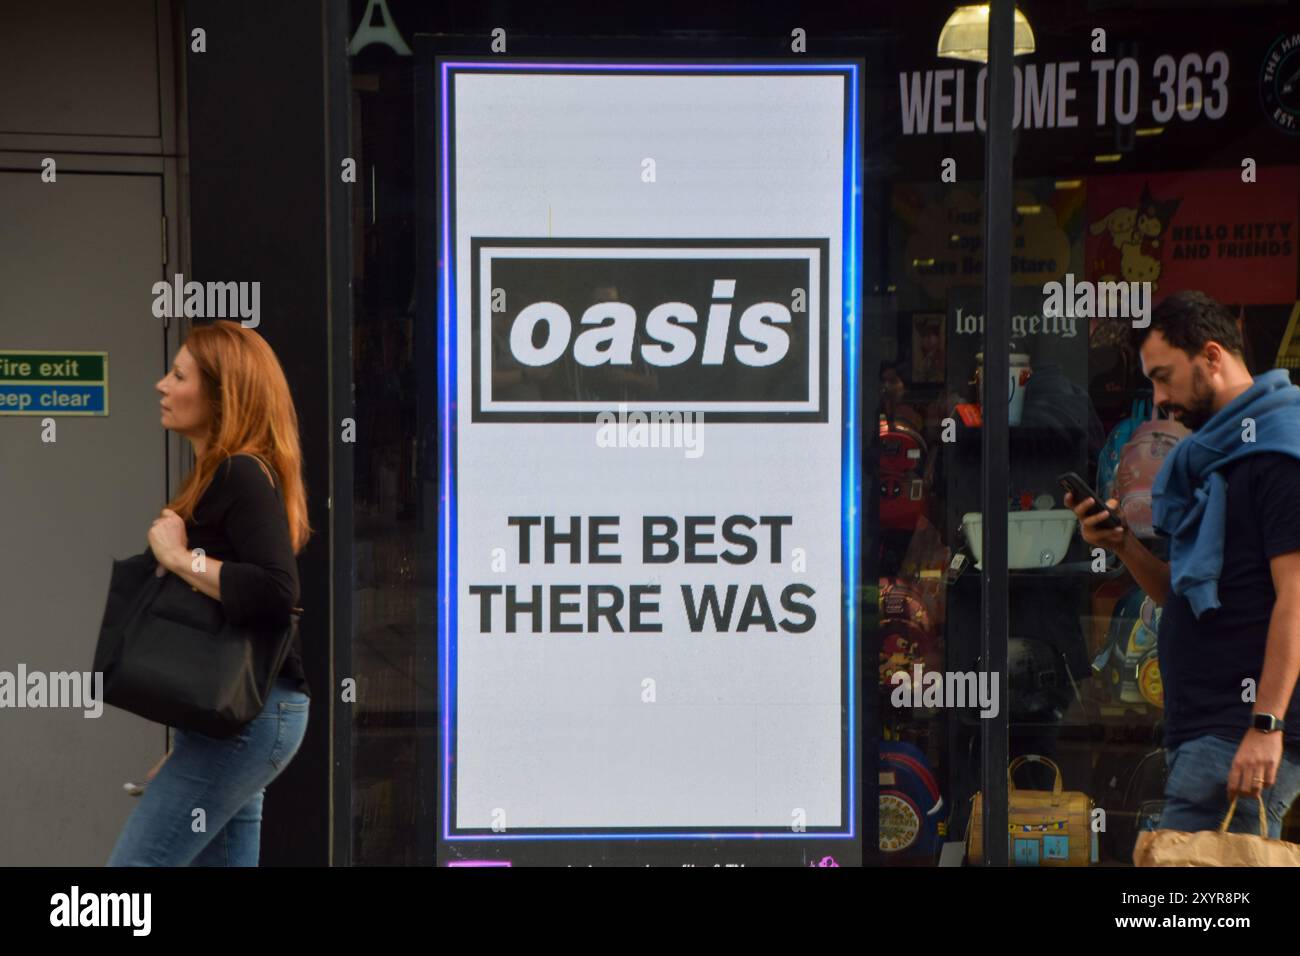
(1215, 847)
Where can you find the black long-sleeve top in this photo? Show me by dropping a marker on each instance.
(241, 521)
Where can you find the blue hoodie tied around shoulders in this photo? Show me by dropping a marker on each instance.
(1189, 497)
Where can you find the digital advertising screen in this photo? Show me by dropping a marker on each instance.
(648, 340)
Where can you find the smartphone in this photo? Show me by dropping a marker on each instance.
(1079, 488)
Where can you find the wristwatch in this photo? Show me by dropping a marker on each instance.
(1266, 722)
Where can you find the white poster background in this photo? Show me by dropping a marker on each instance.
(746, 728)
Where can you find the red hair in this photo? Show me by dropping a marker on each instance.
(252, 412)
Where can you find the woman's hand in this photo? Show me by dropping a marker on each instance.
(167, 540)
(158, 766)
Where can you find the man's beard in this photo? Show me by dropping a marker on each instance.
(1201, 409)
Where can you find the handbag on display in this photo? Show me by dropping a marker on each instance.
(1215, 847)
(168, 654)
(1045, 827)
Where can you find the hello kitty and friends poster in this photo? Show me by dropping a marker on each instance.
(1208, 230)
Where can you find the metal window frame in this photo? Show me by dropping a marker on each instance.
(996, 438)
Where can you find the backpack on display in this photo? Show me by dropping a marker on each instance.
(1108, 460)
(1148, 819)
(1130, 660)
(1139, 463)
(907, 630)
(910, 802)
(1133, 793)
(1104, 598)
(903, 495)
(1040, 687)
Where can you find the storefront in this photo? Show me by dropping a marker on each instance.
(684, 396)
(1145, 146)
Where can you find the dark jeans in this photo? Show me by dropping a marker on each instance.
(1196, 793)
(226, 779)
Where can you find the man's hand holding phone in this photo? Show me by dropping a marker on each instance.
(1100, 526)
(1091, 520)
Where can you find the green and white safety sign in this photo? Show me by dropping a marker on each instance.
(39, 382)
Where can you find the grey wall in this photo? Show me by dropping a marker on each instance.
(88, 85)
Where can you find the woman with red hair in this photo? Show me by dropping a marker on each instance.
(232, 532)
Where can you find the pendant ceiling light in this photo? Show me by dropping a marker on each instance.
(966, 34)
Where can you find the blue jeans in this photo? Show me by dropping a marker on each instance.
(1196, 793)
(227, 779)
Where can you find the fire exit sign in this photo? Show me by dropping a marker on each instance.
(35, 382)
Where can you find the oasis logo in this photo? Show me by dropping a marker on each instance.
(565, 329)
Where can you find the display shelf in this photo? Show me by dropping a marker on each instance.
(1094, 717)
(1068, 570)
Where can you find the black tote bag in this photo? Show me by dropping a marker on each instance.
(168, 654)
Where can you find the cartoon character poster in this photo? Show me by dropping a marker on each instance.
(1208, 230)
(937, 238)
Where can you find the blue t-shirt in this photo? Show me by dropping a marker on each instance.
(1204, 662)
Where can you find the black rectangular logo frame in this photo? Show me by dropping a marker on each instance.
(479, 415)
